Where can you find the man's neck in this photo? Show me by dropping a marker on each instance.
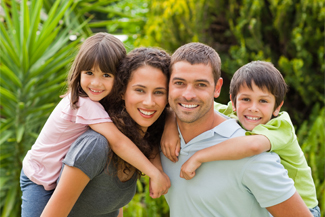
(191, 130)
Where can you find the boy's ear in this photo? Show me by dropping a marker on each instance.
(232, 103)
(277, 110)
(217, 89)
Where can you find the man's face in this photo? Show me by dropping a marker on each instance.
(192, 91)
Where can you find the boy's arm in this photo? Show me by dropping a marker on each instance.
(293, 207)
(231, 149)
(129, 152)
(170, 142)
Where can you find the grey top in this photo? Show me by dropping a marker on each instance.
(105, 193)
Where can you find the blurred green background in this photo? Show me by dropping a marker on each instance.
(39, 38)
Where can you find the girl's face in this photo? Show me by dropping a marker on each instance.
(254, 106)
(96, 84)
(146, 95)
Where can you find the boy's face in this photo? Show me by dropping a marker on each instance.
(254, 106)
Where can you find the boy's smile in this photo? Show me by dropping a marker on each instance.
(254, 106)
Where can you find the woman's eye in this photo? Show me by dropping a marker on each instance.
(139, 90)
(159, 92)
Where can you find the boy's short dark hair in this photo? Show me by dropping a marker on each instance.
(264, 75)
(196, 53)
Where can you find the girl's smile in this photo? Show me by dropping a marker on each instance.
(96, 84)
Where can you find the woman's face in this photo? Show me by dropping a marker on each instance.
(146, 95)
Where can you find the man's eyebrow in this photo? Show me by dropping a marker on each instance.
(202, 80)
(177, 78)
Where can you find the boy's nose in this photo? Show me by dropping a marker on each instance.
(253, 108)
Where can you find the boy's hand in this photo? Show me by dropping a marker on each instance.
(159, 185)
(170, 142)
(189, 167)
(170, 145)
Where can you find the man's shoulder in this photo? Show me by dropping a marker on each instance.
(229, 127)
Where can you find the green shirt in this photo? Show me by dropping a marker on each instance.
(281, 133)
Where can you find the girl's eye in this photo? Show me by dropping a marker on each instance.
(106, 75)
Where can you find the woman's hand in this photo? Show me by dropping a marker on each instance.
(159, 185)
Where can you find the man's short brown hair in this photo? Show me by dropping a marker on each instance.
(196, 53)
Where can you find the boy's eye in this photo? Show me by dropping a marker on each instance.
(89, 72)
(245, 99)
(263, 101)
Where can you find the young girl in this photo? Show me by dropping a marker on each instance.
(94, 180)
(90, 80)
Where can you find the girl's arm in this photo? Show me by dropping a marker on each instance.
(231, 149)
(68, 190)
(120, 214)
(170, 142)
(129, 152)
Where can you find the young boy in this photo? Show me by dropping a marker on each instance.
(257, 91)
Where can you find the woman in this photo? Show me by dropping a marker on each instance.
(96, 182)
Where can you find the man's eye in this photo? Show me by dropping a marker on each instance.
(178, 83)
(202, 85)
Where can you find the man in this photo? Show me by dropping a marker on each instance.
(247, 187)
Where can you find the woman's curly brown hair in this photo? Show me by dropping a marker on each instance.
(115, 105)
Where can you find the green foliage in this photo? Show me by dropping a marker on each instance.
(142, 205)
(35, 53)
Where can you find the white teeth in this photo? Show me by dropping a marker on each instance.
(252, 118)
(189, 106)
(145, 112)
(96, 91)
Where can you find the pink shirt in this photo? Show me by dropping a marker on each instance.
(42, 164)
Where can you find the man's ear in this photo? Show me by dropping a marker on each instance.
(217, 89)
(277, 110)
(232, 103)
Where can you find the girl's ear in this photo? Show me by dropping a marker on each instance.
(277, 110)
(232, 103)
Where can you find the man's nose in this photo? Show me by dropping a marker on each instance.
(189, 92)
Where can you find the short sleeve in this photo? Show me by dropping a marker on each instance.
(88, 153)
(88, 112)
(279, 131)
(267, 180)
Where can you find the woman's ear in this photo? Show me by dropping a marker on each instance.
(277, 110)
(122, 96)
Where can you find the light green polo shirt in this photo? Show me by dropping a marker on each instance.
(281, 133)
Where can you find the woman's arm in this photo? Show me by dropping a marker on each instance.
(231, 149)
(129, 152)
(120, 214)
(68, 190)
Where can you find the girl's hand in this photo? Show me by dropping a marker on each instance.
(189, 167)
(159, 185)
